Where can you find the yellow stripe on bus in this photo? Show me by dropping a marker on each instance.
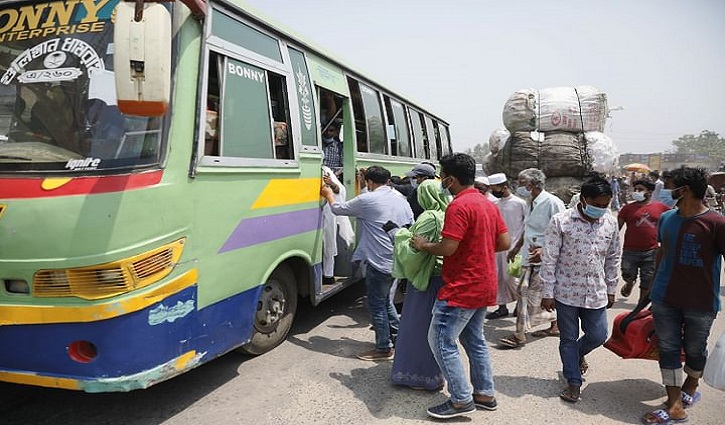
(283, 192)
(35, 314)
(40, 381)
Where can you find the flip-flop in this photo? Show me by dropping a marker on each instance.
(690, 400)
(661, 417)
(627, 289)
(512, 341)
(544, 333)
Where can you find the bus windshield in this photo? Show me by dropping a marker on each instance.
(58, 108)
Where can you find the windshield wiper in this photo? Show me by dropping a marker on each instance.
(15, 157)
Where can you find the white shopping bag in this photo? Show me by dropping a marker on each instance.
(714, 374)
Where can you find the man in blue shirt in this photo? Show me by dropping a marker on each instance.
(373, 209)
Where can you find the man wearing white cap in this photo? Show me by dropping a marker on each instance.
(417, 175)
(513, 211)
(482, 185)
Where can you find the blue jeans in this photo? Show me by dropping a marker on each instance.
(571, 347)
(677, 329)
(466, 325)
(642, 261)
(383, 315)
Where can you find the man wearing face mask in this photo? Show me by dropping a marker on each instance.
(473, 231)
(579, 275)
(374, 209)
(686, 291)
(640, 238)
(513, 211)
(665, 195)
(542, 205)
(418, 175)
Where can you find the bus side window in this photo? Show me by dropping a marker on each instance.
(280, 117)
(416, 122)
(254, 114)
(211, 124)
(358, 113)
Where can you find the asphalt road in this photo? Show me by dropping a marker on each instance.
(313, 378)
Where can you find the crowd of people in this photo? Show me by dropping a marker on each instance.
(465, 243)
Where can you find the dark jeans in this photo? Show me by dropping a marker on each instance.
(677, 329)
(383, 315)
(571, 347)
(642, 261)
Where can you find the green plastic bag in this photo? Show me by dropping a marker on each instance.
(514, 267)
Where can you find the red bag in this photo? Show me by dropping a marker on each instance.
(633, 336)
(638, 341)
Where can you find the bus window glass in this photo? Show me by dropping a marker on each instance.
(401, 141)
(243, 35)
(416, 121)
(358, 111)
(445, 144)
(58, 97)
(374, 120)
(307, 112)
(254, 113)
(211, 122)
(431, 138)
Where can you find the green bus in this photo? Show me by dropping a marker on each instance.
(160, 167)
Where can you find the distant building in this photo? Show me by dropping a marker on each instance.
(669, 161)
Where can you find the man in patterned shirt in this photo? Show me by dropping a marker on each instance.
(579, 275)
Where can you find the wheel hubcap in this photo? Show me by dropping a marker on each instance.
(270, 309)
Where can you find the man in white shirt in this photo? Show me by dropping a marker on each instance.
(543, 206)
(579, 275)
(513, 210)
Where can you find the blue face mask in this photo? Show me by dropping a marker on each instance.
(445, 190)
(523, 192)
(594, 212)
(666, 196)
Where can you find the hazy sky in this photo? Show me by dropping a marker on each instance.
(662, 60)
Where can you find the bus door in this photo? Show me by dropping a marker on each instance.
(337, 160)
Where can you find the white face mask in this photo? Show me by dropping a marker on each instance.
(414, 183)
(445, 189)
(639, 196)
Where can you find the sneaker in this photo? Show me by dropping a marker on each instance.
(375, 355)
(447, 410)
(488, 405)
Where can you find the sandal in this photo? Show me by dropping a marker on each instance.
(690, 400)
(571, 394)
(627, 289)
(512, 341)
(584, 366)
(661, 417)
(544, 333)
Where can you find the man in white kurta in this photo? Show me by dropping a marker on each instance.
(513, 211)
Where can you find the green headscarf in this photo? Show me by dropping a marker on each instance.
(419, 266)
(430, 196)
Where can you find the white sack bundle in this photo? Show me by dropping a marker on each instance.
(603, 152)
(572, 109)
(498, 139)
(520, 110)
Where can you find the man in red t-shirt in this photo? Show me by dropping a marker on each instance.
(473, 231)
(640, 238)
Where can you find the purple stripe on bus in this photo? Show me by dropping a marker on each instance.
(256, 230)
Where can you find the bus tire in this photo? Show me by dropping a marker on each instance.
(275, 313)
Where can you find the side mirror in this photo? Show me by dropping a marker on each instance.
(142, 59)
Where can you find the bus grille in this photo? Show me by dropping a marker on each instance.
(111, 279)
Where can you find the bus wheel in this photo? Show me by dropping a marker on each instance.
(276, 309)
